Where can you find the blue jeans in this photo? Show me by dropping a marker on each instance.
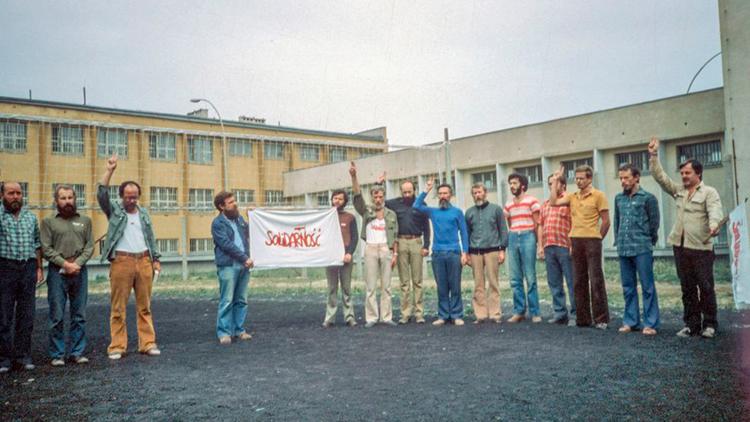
(446, 266)
(17, 301)
(522, 259)
(558, 263)
(643, 266)
(233, 281)
(60, 289)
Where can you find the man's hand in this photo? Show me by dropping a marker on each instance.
(347, 258)
(465, 259)
(381, 179)
(249, 263)
(352, 169)
(394, 259)
(39, 276)
(157, 266)
(653, 146)
(715, 231)
(501, 257)
(540, 252)
(424, 252)
(428, 185)
(556, 175)
(112, 163)
(71, 268)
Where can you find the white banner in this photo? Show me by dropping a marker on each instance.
(288, 239)
(739, 250)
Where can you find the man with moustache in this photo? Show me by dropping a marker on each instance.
(131, 248)
(488, 238)
(20, 273)
(379, 231)
(67, 243)
(342, 274)
(587, 207)
(555, 250)
(522, 212)
(231, 235)
(699, 213)
(448, 256)
(413, 246)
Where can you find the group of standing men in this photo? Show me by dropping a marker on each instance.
(566, 231)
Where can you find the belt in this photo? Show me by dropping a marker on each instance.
(131, 254)
(16, 261)
(409, 236)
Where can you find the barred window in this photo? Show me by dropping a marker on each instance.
(273, 150)
(368, 152)
(309, 152)
(67, 140)
(274, 197)
(114, 192)
(111, 141)
(244, 197)
(200, 150)
(167, 247)
(708, 153)
(534, 173)
(336, 154)
(240, 147)
(163, 198)
(12, 137)
(201, 246)
(322, 198)
(570, 166)
(201, 199)
(636, 158)
(488, 179)
(162, 146)
(24, 192)
(78, 188)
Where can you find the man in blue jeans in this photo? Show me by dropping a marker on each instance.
(67, 243)
(231, 249)
(448, 256)
(636, 232)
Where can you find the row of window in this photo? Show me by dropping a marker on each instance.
(169, 247)
(162, 146)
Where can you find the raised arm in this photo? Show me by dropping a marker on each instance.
(102, 195)
(657, 171)
(419, 203)
(553, 199)
(357, 200)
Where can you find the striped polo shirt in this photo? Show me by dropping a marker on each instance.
(521, 213)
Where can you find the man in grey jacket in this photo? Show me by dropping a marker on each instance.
(488, 238)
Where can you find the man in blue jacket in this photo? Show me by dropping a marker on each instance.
(448, 256)
(231, 249)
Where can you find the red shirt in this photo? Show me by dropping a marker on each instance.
(555, 223)
(521, 213)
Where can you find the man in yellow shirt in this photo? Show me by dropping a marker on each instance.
(587, 207)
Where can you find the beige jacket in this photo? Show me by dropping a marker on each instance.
(696, 216)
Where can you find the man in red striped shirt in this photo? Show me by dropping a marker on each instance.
(522, 212)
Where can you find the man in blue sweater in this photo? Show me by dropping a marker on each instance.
(448, 256)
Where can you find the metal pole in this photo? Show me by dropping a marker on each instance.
(184, 240)
(447, 144)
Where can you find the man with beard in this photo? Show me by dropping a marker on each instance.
(636, 225)
(131, 248)
(20, 272)
(488, 238)
(522, 212)
(555, 250)
(379, 231)
(413, 227)
(231, 236)
(67, 243)
(699, 213)
(342, 274)
(448, 256)
(587, 207)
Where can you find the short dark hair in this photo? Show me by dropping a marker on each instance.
(340, 192)
(220, 199)
(522, 179)
(695, 164)
(63, 186)
(563, 179)
(585, 168)
(445, 185)
(634, 170)
(123, 185)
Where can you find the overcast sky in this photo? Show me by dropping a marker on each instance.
(413, 66)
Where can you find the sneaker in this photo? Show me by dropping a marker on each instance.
(389, 322)
(625, 329)
(246, 336)
(685, 332)
(154, 351)
(57, 362)
(114, 356)
(572, 323)
(224, 340)
(29, 366)
(369, 324)
(649, 331)
(708, 332)
(351, 323)
(601, 325)
(458, 322)
(81, 360)
(403, 321)
(536, 319)
(327, 324)
(420, 320)
(438, 322)
(4, 369)
(516, 318)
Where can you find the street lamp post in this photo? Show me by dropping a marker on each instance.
(223, 141)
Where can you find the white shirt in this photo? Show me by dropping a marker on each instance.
(132, 238)
(376, 231)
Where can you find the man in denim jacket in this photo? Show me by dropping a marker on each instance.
(231, 249)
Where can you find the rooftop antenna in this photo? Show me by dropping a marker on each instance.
(29, 94)
(84, 95)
